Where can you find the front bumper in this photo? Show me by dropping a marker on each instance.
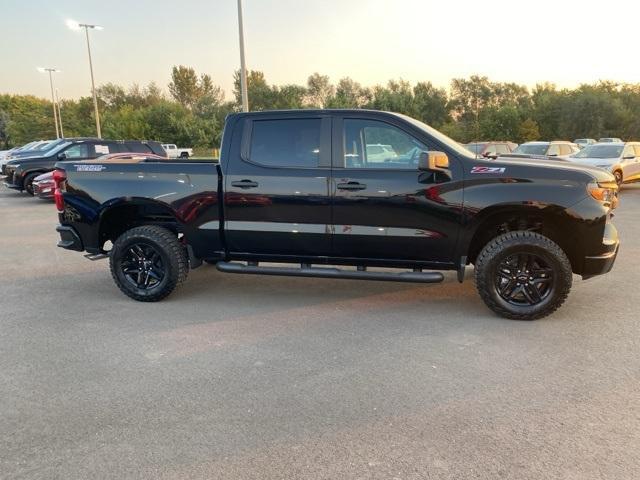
(69, 238)
(603, 262)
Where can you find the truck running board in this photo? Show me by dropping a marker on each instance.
(307, 270)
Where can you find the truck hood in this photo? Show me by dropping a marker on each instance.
(598, 174)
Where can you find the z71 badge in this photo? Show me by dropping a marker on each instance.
(89, 168)
(478, 169)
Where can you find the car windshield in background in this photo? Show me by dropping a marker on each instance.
(59, 145)
(476, 147)
(537, 149)
(600, 151)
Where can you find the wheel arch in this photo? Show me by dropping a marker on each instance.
(124, 214)
(552, 221)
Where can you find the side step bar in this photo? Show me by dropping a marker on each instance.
(306, 270)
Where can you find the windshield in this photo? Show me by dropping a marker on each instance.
(441, 137)
(60, 144)
(476, 148)
(532, 149)
(600, 151)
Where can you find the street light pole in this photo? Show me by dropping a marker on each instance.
(93, 85)
(59, 114)
(243, 66)
(77, 26)
(50, 71)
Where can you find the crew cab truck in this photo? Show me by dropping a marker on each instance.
(296, 189)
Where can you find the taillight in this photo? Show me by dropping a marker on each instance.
(59, 176)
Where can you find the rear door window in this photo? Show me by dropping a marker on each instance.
(286, 143)
(78, 151)
(137, 147)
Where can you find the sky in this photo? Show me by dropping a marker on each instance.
(566, 42)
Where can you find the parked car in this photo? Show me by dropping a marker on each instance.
(491, 149)
(174, 152)
(285, 192)
(610, 140)
(21, 172)
(621, 159)
(558, 148)
(28, 150)
(583, 142)
(44, 185)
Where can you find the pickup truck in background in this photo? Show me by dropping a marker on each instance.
(174, 152)
(296, 194)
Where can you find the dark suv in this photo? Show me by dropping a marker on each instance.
(21, 172)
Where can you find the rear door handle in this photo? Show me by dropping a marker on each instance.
(244, 184)
(351, 186)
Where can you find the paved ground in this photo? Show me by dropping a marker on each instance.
(278, 378)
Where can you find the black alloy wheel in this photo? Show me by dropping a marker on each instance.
(524, 279)
(142, 266)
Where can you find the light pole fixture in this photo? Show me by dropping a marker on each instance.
(59, 114)
(53, 98)
(73, 25)
(243, 66)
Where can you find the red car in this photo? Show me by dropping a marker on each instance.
(44, 186)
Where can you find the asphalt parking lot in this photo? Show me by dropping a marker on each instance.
(276, 378)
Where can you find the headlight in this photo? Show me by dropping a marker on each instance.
(606, 193)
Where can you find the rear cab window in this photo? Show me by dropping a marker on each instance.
(292, 143)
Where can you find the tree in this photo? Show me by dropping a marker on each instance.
(4, 128)
(349, 94)
(319, 90)
(187, 89)
(528, 131)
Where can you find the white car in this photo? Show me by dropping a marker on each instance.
(379, 153)
(174, 152)
(621, 159)
(558, 149)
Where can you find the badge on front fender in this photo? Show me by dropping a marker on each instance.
(482, 169)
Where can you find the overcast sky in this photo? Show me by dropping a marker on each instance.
(562, 41)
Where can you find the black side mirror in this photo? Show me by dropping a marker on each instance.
(433, 161)
(62, 156)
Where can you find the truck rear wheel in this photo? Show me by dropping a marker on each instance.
(148, 263)
(523, 275)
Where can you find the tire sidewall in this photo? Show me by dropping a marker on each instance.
(27, 184)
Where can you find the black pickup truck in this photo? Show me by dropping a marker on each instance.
(345, 194)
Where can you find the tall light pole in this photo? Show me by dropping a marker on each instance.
(53, 98)
(73, 25)
(243, 66)
(59, 114)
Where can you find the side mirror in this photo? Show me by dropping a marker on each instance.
(629, 157)
(62, 156)
(492, 155)
(433, 161)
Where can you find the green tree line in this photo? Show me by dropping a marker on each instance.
(192, 112)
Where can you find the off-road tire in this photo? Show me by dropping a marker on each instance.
(172, 254)
(526, 243)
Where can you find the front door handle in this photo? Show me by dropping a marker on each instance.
(244, 184)
(351, 186)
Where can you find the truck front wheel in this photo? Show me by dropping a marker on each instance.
(148, 263)
(523, 275)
